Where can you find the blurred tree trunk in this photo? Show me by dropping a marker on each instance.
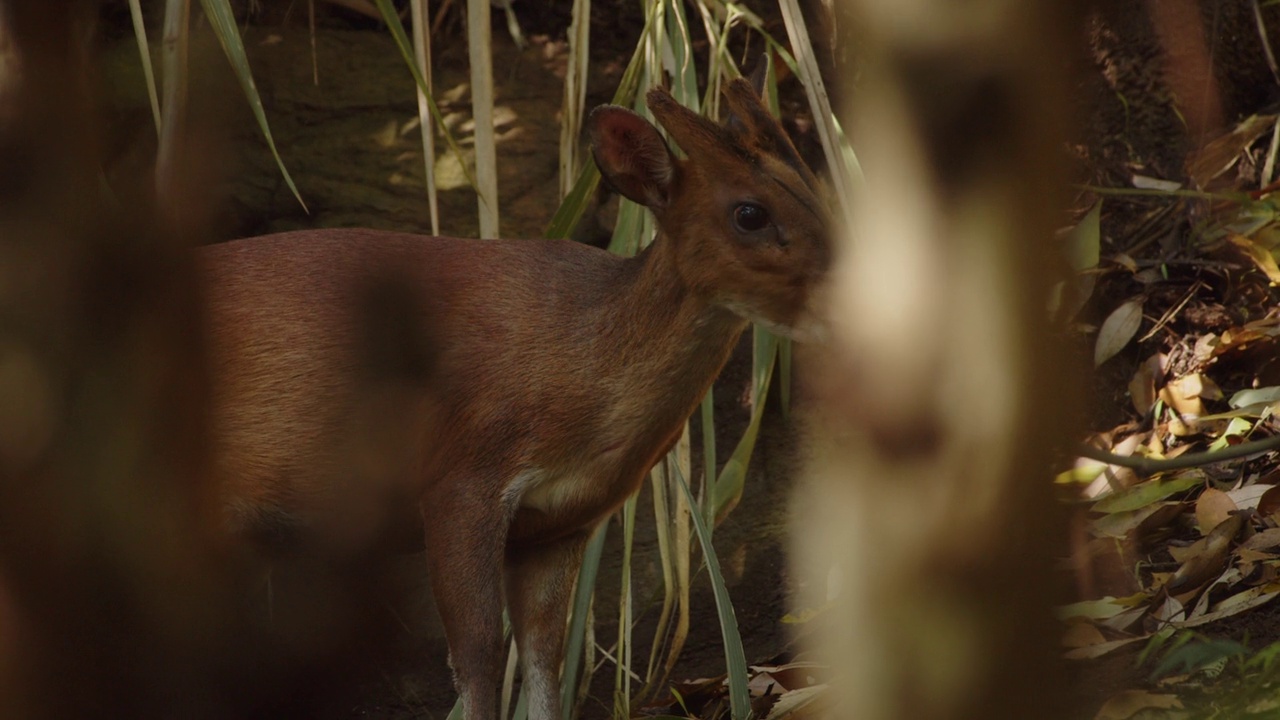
(108, 564)
(926, 510)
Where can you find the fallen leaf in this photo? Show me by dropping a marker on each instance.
(1269, 503)
(1142, 388)
(793, 701)
(1183, 395)
(1264, 540)
(1118, 329)
(1248, 497)
(1260, 256)
(1255, 396)
(1124, 261)
(1128, 703)
(1121, 524)
(1148, 492)
(1099, 609)
(1096, 651)
(1211, 559)
(1085, 239)
(1222, 153)
(1212, 508)
(1144, 182)
(1082, 634)
(1238, 603)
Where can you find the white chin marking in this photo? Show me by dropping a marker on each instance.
(808, 330)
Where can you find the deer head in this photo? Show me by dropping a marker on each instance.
(742, 212)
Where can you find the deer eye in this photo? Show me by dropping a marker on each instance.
(750, 217)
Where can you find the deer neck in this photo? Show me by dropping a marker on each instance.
(671, 340)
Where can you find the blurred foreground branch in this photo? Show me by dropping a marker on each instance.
(926, 512)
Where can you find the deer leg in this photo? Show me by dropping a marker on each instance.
(465, 536)
(539, 581)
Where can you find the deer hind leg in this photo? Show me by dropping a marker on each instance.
(465, 534)
(539, 581)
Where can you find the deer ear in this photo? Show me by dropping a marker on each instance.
(631, 155)
(760, 74)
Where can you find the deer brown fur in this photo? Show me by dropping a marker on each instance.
(558, 374)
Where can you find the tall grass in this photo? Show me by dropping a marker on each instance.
(665, 54)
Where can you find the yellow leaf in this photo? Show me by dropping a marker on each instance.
(1260, 256)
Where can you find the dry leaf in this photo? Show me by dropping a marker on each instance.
(1222, 153)
(1260, 256)
(1082, 634)
(1142, 388)
(1247, 600)
(1118, 329)
(1264, 540)
(1210, 561)
(1128, 703)
(1269, 503)
(1183, 395)
(1096, 651)
(1212, 508)
(1247, 497)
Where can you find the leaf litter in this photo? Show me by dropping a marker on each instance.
(1178, 297)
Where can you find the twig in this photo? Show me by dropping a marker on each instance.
(1149, 466)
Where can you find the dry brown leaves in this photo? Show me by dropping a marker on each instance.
(1191, 306)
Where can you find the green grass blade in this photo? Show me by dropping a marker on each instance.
(680, 554)
(684, 81)
(174, 47)
(579, 198)
(819, 103)
(727, 490)
(575, 638)
(575, 203)
(622, 674)
(784, 376)
(144, 50)
(223, 22)
(735, 659)
(392, 20)
(708, 416)
(508, 680)
(628, 229)
(420, 22)
(662, 528)
(522, 706)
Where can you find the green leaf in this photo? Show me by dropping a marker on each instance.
(727, 490)
(1149, 492)
(144, 49)
(734, 657)
(575, 203)
(224, 27)
(578, 621)
(1085, 241)
(708, 417)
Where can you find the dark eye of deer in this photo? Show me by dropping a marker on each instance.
(750, 217)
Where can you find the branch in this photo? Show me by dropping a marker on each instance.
(1148, 466)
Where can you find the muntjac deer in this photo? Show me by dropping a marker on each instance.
(562, 373)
